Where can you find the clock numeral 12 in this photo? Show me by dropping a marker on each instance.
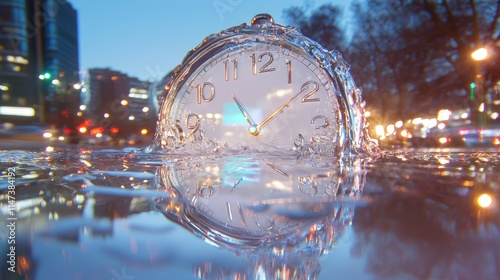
(264, 68)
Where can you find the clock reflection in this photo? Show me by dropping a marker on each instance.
(281, 214)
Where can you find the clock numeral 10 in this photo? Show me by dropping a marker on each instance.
(235, 69)
(200, 90)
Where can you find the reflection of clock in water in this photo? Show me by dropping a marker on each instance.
(245, 202)
(261, 86)
(280, 215)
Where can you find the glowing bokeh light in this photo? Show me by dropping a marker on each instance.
(484, 200)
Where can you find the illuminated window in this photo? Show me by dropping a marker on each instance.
(21, 101)
(99, 77)
(114, 78)
(6, 96)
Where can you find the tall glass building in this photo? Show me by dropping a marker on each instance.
(17, 87)
(38, 58)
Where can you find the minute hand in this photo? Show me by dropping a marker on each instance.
(281, 108)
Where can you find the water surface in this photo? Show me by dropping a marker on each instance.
(124, 214)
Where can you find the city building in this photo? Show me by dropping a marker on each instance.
(118, 103)
(39, 64)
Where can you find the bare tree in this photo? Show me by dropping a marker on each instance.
(322, 24)
(407, 53)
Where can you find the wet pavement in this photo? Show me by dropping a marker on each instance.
(123, 214)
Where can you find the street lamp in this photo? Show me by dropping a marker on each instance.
(479, 54)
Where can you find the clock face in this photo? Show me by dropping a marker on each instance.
(256, 94)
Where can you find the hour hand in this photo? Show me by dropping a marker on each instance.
(253, 127)
(243, 110)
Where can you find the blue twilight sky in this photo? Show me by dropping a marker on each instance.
(148, 38)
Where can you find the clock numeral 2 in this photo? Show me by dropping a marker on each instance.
(264, 68)
(235, 69)
(314, 90)
(200, 90)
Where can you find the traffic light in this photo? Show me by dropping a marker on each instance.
(45, 76)
(472, 89)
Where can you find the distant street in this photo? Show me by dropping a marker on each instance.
(26, 145)
(38, 146)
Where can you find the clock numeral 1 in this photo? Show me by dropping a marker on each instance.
(264, 68)
(289, 70)
(235, 69)
(312, 92)
(200, 89)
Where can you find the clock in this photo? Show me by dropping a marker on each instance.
(260, 87)
(247, 203)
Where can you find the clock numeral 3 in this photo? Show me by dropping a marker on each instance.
(264, 68)
(312, 92)
(200, 90)
(320, 121)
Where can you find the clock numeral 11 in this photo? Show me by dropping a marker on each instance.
(235, 69)
(240, 212)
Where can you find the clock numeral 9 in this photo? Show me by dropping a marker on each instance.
(193, 123)
(264, 68)
(200, 90)
(313, 91)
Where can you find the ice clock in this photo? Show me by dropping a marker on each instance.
(261, 87)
